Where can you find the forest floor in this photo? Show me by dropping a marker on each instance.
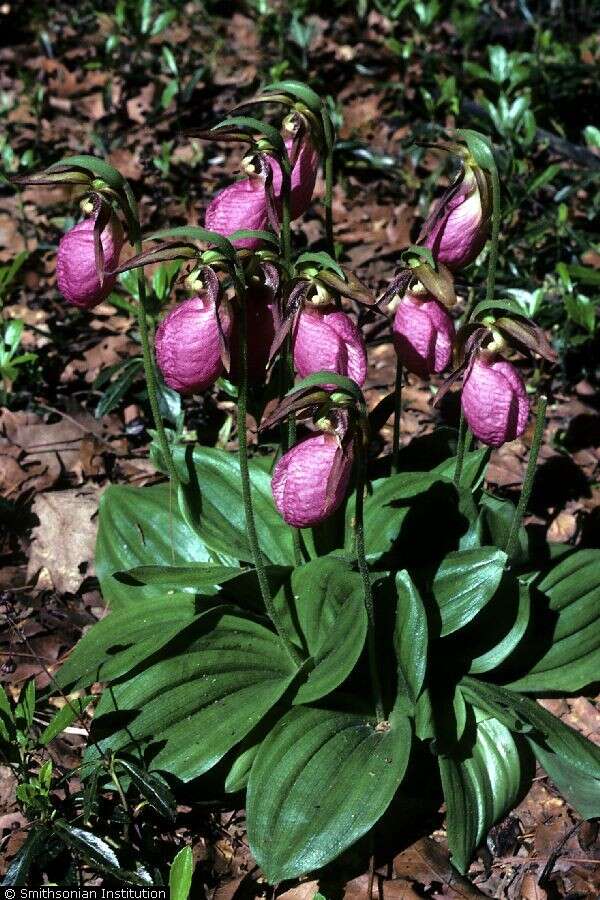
(57, 456)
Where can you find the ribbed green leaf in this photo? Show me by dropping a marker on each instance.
(143, 526)
(386, 508)
(215, 508)
(410, 640)
(126, 637)
(465, 581)
(324, 606)
(509, 611)
(200, 700)
(480, 787)
(195, 576)
(571, 760)
(320, 780)
(567, 631)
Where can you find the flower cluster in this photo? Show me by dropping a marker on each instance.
(299, 306)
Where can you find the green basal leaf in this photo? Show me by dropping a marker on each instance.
(465, 581)
(127, 637)
(496, 518)
(324, 605)
(410, 641)
(296, 89)
(480, 786)
(571, 760)
(195, 576)
(565, 645)
(140, 527)
(508, 614)
(200, 698)
(214, 507)
(387, 507)
(473, 471)
(320, 780)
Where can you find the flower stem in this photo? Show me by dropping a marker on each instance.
(147, 358)
(513, 534)
(257, 556)
(286, 246)
(359, 528)
(464, 433)
(397, 417)
(328, 166)
(493, 259)
(464, 442)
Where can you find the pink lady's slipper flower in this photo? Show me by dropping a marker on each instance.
(304, 176)
(245, 203)
(76, 264)
(494, 399)
(325, 338)
(458, 225)
(310, 480)
(423, 334)
(262, 318)
(189, 344)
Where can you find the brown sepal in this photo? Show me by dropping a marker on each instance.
(103, 213)
(165, 252)
(350, 287)
(397, 285)
(305, 401)
(526, 335)
(471, 348)
(292, 305)
(440, 283)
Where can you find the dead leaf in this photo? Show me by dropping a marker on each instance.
(305, 890)
(426, 861)
(63, 542)
(563, 528)
(530, 889)
(139, 107)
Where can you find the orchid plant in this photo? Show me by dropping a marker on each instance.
(315, 621)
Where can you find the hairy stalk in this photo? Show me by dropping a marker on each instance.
(328, 166)
(465, 436)
(493, 260)
(147, 357)
(364, 571)
(257, 556)
(513, 534)
(397, 417)
(463, 431)
(286, 246)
